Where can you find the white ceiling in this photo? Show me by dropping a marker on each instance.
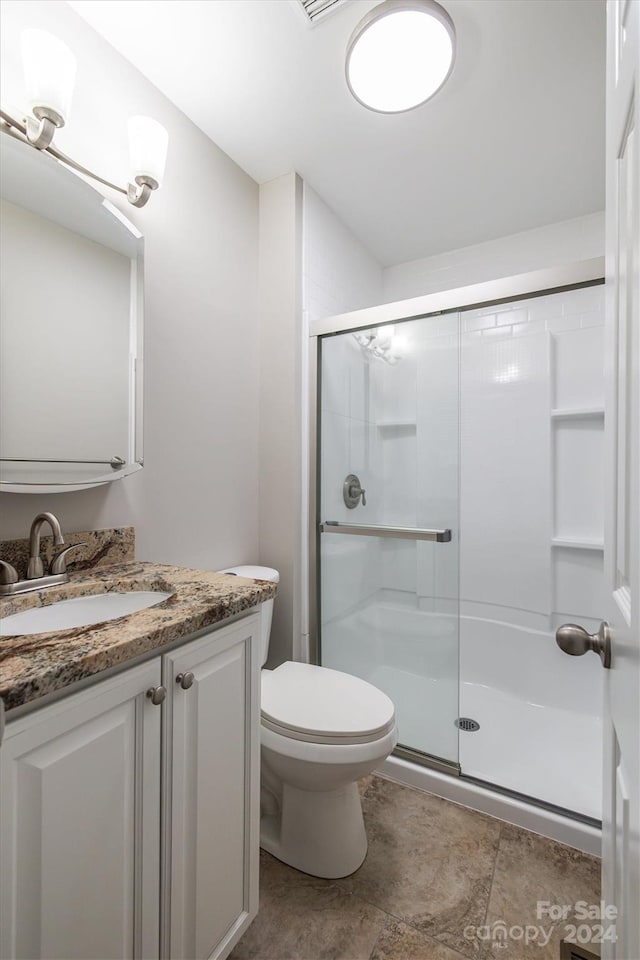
(514, 140)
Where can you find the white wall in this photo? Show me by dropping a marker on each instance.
(339, 273)
(196, 500)
(280, 402)
(554, 245)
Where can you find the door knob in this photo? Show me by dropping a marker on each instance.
(575, 641)
(157, 695)
(185, 680)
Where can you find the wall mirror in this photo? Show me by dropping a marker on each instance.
(71, 303)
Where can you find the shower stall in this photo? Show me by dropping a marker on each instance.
(457, 510)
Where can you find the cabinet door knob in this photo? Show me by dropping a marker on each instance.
(185, 680)
(157, 695)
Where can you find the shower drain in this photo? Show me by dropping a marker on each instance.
(466, 723)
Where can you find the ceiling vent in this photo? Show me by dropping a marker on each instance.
(316, 10)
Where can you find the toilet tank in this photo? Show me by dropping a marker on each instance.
(259, 573)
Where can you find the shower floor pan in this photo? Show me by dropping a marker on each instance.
(537, 750)
(540, 751)
(539, 712)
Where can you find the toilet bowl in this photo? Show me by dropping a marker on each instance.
(321, 731)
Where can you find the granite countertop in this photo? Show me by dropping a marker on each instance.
(32, 666)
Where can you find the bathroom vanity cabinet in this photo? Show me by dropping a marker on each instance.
(130, 828)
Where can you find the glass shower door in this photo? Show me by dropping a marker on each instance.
(388, 507)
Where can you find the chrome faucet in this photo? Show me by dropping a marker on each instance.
(36, 578)
(35, 568)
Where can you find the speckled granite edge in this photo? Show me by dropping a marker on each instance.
(39, 664)
(103, 547)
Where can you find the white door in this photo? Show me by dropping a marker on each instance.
(79, 825)
(212, 798)
(621, 815)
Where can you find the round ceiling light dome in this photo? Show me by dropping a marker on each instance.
(400, 54)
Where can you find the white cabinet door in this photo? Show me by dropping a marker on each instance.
(212, 791)
(80, 825)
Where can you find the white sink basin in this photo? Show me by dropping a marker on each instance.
(79, 612)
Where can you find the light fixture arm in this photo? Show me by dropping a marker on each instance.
(39, 133)
(139, 192)
(40, 128)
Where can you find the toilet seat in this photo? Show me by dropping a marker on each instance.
(301, 701)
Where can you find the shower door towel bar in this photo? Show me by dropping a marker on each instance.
(399, 533)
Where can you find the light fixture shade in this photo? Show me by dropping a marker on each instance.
(148, 142)
(400, 54)
(49, 73)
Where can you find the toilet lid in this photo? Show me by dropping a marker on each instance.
(305, 702)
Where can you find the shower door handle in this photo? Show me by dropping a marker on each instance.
(575, 641)
(396, 533)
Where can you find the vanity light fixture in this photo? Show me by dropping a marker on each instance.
(400, 54)
(49, 74)
(49, 71)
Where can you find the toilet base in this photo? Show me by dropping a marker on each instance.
(320, 833)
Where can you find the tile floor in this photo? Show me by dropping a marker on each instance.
(434, 873)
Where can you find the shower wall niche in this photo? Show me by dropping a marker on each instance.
(489, 423)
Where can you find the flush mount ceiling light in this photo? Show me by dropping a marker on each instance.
(400, 54)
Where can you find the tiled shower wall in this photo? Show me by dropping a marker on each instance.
(532, 421)
(531, 405)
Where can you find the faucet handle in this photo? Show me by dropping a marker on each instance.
(8, 574)
(59, 562)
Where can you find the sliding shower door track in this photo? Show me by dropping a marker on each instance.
(427, 760)
(534, 801)
(454, 770)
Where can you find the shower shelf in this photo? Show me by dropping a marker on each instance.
(577, 544)
(578, 413)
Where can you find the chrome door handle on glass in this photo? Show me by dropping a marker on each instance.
(378, 530)
(185, 680)
(575, 641)
(353, 491)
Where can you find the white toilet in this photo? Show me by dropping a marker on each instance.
(322, 730)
